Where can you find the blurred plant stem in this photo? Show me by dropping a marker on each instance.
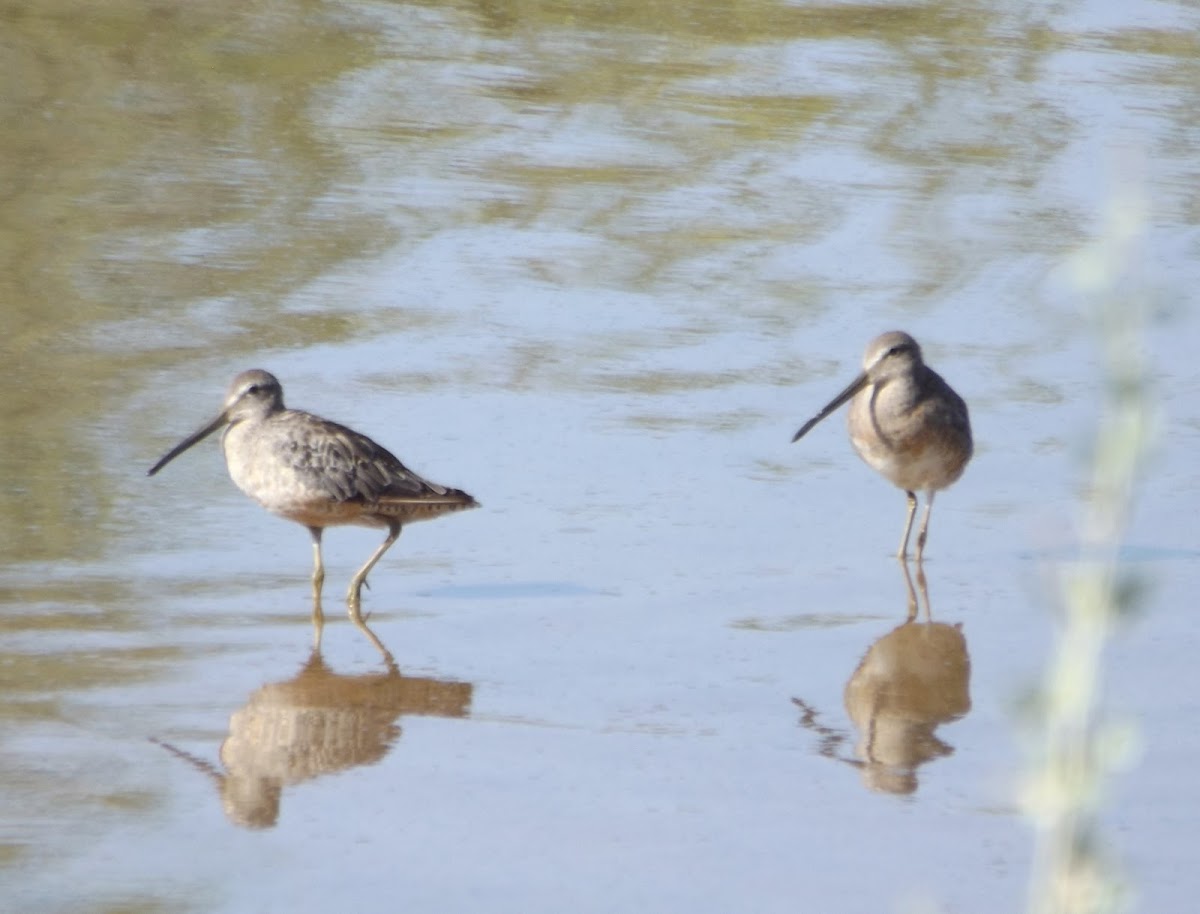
(1075, 749)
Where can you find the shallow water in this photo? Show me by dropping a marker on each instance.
(594, 264)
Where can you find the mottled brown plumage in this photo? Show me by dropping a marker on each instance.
(316, 472)
(906, 422)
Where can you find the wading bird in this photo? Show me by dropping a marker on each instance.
(907, 423)
(317, 473)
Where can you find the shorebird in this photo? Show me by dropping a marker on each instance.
(317, 473)
(906, 422)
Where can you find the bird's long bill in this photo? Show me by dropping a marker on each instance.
(854, 387)
(186, 443)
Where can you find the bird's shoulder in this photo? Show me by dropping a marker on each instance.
(941, 403)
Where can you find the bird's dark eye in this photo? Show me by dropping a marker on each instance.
(253, 389)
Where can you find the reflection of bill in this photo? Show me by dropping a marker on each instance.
(316, 723)
(911, 681)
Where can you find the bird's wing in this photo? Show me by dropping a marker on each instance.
(349, 466)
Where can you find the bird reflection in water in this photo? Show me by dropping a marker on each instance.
(317, 723)
(911, 681)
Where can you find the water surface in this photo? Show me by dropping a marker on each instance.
(594, 264)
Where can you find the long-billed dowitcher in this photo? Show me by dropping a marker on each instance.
(316, 472)
(906, 422)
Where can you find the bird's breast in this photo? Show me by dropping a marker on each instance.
(916, 446)
(265, 463)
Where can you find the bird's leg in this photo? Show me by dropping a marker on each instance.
(924, 525)
(318, 575)
(354, 595)
(912, 510)
(318, 579)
